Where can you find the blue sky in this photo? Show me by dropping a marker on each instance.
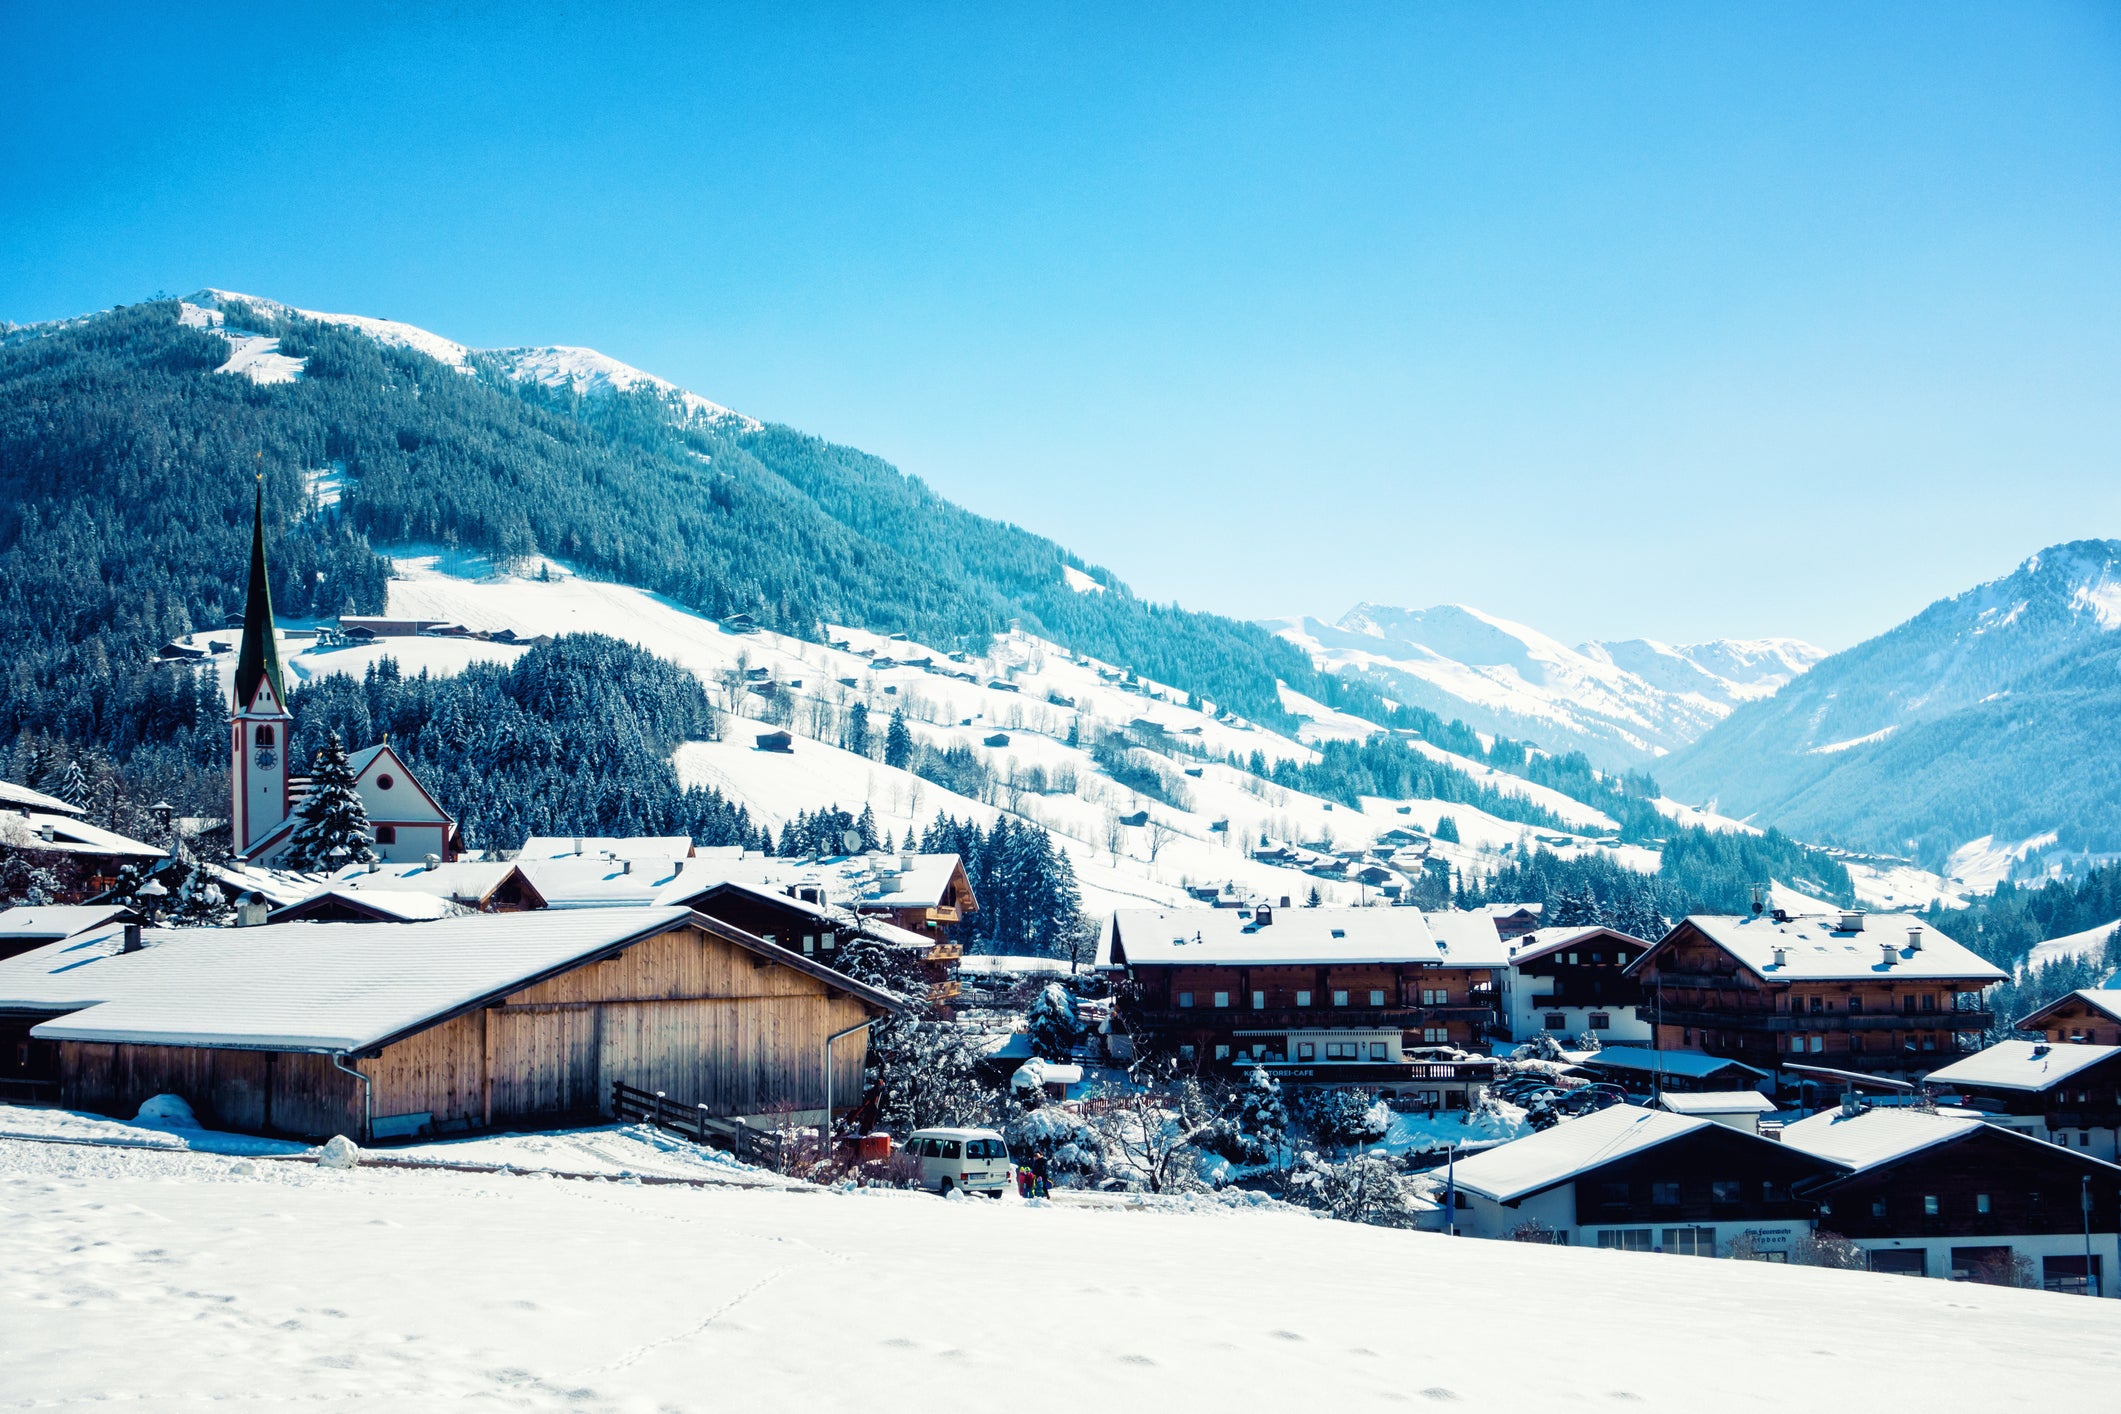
(1681, 321)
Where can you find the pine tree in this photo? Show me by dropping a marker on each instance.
(331, 829)
(898, 741)
(1053, 1023)
(865, 828)
(1447, 830)
(70, 784)
(856, 737)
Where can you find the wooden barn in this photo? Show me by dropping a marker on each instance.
(315, 1029)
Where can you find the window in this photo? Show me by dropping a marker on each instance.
(1929, 1205)
(1818, 1044)
(1877, 1207)
(263, 736)
(1726, 1190)
(1907, 1003)
(1306, 1051)
(1981, 1203)
(1818, 1003)
(1929, 1002)
(1771, 1192)
(951, 1149)
(1572, 959)
(1435, 1035)
(809, 942)
(1377, 996)
(1599, 1021)
(1856, 1043)
(1185, 1053)
(1259, 1048)
(386, 834)
(1855, 1006)
(1377, 1050)
(1613, 1195)
(827, 942)
(1597, 958)
(1435, 996)
(1303, 999)
(1555, 1021)
(1342, 1051)
(385, 781)
(1664, 1194)
(1690, 1241)
(1625, 1239)
(1185, 999)
(1259, 1001)
(1340, 999)
(1222, 1053)
(1222, 999)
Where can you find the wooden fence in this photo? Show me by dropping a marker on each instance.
(747, 1142)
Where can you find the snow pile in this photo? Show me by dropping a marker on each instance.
(131, 1276)
(339, 1152)
(167, 1112)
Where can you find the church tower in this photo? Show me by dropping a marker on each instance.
(260, 724)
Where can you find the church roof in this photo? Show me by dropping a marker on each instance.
(259, 657)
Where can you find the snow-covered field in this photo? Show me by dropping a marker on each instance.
(945, 711)
(168, 1280)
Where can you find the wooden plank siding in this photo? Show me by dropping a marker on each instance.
(684, 1012)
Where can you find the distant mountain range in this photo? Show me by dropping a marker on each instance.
(1994, 712)
(1623, 704)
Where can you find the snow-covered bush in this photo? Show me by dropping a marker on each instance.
(1827, 1249)
(1073, 1149)
(1252, 1124)
(1345, 1115)
(167, 1112)
(1150, 1128)
(1367, 1188)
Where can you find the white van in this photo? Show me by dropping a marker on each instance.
(975, 1160)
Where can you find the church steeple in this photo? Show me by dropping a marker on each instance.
(259, 658)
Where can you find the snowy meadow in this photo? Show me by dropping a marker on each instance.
(172, 1279)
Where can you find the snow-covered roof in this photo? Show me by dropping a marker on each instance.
(2021, 1065)
(2098, 999)
(1540, 942)
(70, 836)
(1689, 1065)
(398, 905)
(1210, 936)
(1718, 1102)
(595, 882)
(278, 887)
(23, 798)
(48, 922)
(302, 986)
(1467, 939)
(1872, 1137)
(994, 963)
(462, 881)
(604, 846)
(1569, 1150)
(1815, 948)
(325, 986)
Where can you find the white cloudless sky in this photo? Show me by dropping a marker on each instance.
(1669, 320)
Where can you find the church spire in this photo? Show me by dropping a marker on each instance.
(259, 657)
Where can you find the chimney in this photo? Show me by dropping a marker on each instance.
(1850, 1105)
(1782, 957)
(578, 844)
(627, 867)
(1758, 901)
(1914, 938)
(1284, 900)
(434, 861)
(132, 938)
(1851, 920)
(677, 868)
(2039, 1049)
(1891, 954)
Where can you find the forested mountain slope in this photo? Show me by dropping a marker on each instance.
(129, 439)
(1993, 712)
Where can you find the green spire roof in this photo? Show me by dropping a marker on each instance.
(260, 654)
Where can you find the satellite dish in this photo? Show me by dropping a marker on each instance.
(851, 842)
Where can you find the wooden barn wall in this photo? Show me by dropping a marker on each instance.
(683, 1012)
(279, 1092)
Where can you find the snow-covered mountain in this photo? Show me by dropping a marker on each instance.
(1621, 703)
(584, 371)
(1989, 714)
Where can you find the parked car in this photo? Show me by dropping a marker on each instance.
(975, 1160)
